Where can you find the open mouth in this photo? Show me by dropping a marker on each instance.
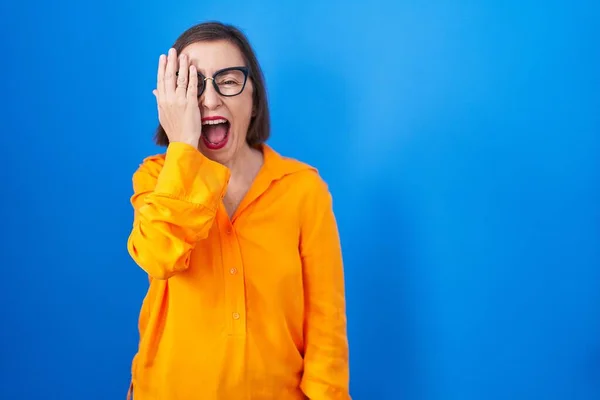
(215, 133)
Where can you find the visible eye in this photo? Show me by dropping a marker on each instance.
(230, 78)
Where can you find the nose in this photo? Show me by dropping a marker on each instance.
(210, 99)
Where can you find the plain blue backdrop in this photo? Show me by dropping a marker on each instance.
(460, 139)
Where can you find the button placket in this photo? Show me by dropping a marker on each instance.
(234, 283)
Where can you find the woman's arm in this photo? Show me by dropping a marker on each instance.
(326, 369)
(175, 201)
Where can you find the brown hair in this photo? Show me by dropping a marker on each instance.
(260, 125)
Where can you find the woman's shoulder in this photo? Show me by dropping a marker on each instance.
(306, 188)
(148, 170)
(152, 164)
(303, 177)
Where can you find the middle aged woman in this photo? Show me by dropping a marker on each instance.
(246, 296)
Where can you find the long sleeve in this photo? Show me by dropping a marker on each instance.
(175, 202)
(326, 359)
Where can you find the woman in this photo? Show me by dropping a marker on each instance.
(246, 296)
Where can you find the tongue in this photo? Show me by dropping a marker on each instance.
(215, 133)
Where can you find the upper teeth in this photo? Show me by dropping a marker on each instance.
(214, 121)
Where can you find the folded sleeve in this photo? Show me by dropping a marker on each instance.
(175, 200)
(326, 358)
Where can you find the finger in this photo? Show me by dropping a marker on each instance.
(170, 72)
(160, 75)
(192, 92)
(155, 93)
(182, 77)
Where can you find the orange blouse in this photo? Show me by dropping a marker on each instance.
(251, 307)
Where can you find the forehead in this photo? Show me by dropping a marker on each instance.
(209, 57)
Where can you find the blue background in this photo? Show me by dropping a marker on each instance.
(461, 141)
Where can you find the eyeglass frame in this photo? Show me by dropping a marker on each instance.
(201, 77)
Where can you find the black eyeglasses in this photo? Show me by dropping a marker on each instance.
(227, 81)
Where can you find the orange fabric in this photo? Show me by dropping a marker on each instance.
(250, 307)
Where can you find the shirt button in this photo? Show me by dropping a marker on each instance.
(236, 315)
(228, 231)
(233, 271)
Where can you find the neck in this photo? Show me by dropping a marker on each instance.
(245, 164)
